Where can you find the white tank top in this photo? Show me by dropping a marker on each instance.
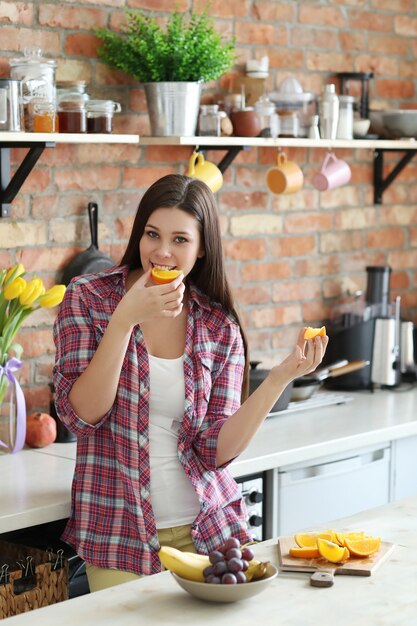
(174, 500)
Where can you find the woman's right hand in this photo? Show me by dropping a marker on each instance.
(145, 300)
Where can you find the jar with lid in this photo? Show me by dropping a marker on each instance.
(289, 124)
(71, 90)
(209, 120)
(72, 117)
(100, 115)
(345, 123)
(38, 81)
(44, 118)
(268, 116)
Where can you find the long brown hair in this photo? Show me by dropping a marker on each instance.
(208, 274)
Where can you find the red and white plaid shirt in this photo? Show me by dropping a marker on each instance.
(112, 523)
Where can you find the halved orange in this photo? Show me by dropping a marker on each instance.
(310, 332)
(332, 551)
(162, 277)
(309, 540)
(304, 553)
(363, 547)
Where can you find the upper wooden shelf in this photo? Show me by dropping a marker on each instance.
(39, 138)
(227, 142)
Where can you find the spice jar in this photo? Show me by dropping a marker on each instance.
(268, 116)
(209, 120)
(289, 124)
(100, 115)
(44, 118)
(72, 117)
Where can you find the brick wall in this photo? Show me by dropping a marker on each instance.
(289, 258)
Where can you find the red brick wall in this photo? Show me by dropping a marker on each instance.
(288, 257)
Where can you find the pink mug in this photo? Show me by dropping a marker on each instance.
(333, 173)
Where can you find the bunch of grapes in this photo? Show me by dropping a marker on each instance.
(228, 564)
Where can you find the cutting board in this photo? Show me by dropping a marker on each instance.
(325, 571)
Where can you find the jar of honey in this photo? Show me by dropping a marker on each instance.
(44, 118)
(72, 117)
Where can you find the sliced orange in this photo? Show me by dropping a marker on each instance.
(309, 540)
(332, 551)
(310, 333)
(363, 547)
(162, 277)
(304, 553)
(340, 537)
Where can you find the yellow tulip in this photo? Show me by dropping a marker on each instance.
(15, 271)
(52, 297)
(14, 289)
(33, 290)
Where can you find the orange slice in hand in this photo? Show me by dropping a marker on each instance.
(162, 277)
(310, 333)
(332, 551)
(363, 547)
(309, 540)
(304, 553)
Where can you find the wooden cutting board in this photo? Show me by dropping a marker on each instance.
(323, 570)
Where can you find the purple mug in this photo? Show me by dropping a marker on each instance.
(333, 173)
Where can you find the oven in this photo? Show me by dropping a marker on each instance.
(253, 492)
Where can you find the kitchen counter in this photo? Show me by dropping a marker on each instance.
(388, 597)
(35, 484)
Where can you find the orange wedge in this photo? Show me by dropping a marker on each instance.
(310, 333)
(340, 537)
(332, 551)
(162, 277)
(363, 547)
(309, 540)
(304, 553)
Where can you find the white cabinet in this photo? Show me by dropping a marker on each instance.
(404, 467)
(308, 495)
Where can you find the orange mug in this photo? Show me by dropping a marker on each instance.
(204, 170)
(285, 177)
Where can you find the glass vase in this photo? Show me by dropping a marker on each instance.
(8, 415)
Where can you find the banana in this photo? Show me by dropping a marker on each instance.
(256, 570)
(186, 564)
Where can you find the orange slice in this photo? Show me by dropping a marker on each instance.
(310, 333)
(340, 537)
(363, 547)
(304, 553)
(162, 277)
(309, 540)
(332, 551)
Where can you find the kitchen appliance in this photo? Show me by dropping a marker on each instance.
(363, 78)
(11, 109)
(367, 330)
(252, 487)
(408, 351)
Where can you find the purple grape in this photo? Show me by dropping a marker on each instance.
(208, 571)
(219, 568)
(245, 565)
(233, 553)
(230, 543)
(234, 565)
(240, 577)
(216, 556)
(229, 579)
(213, 580)
(248, 554)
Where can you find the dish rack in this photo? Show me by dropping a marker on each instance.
(322, 398)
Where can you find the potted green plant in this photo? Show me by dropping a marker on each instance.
(172, 63)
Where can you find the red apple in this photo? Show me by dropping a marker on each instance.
(40, 430)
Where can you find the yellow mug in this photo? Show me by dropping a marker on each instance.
(204, 170)
(285, 177)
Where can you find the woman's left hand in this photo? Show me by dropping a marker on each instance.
(304, 359)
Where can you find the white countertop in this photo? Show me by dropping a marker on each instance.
(387, 598)
(35, 484)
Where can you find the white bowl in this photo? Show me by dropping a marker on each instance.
(227, 593)
(400, 123)
(361, 127)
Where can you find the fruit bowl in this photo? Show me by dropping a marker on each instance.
(227, 593)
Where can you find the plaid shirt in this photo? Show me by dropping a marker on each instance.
(112, 523)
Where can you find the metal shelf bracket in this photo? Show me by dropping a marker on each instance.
(10, 185)
(229, 157)
(381, 184)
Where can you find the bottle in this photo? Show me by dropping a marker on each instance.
(345, 124)
(314, 131)
(329, 112)
(209, 121)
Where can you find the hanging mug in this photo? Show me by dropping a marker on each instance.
(333, 173)
(204, 170)
(285, 177)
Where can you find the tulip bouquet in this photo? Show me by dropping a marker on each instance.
(18, 299)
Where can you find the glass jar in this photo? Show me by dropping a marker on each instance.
(72, 117)
(289, 124)
(72, 90)
(345, 123)
(100, 115)
(209, 120)
(38, 81)
(44, 118)
(268, 116)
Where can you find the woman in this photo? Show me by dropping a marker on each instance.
(150, 379)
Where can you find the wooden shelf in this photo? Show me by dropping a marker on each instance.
(39, 138)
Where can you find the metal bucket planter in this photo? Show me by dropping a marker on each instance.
(173, 108)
